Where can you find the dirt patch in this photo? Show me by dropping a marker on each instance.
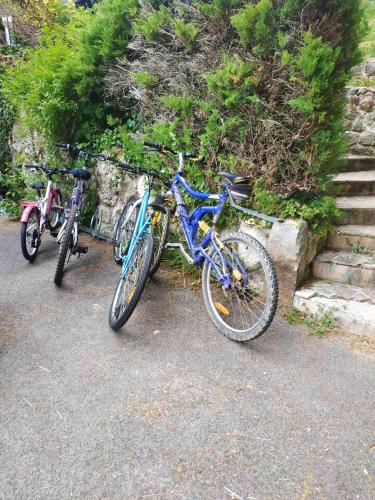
(352, 341)
(6, 222)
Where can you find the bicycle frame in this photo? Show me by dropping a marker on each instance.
(190, 224)
(77, 198)
(142, 225)
(43, 205)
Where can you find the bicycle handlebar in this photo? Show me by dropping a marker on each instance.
(135, 169)
(80, 152)
(160, 148)
(48, 171)
(68, 147)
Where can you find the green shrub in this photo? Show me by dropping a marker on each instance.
(57, 86)
(143, 78)
(260, 91)
(320, 212)
(254, 26)
(6, 120)
(15, 190)
(187, 32)
(149, 23)
(257, 87)
(318, 325)
(233, 82)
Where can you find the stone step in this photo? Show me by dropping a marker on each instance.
(356, 183)
(352, 236)
(345, 267)
(361, 143)
(352, 307)
(356, 209)
(354, 163)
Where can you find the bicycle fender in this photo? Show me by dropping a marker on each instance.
(28, 207)
(56, 195)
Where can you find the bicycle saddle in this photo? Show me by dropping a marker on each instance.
(37, 185)
(81, 173)
(158, 204)
(236, 179)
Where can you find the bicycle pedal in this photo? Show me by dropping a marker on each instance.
(82, 249)
(179, 247)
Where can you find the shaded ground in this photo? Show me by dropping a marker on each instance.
(169, 408)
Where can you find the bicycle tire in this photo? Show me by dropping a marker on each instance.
(116, 322)
(65, 244)
(58, 218)
(28, 256)
(116, 250)
(272, 291)
(159, 248)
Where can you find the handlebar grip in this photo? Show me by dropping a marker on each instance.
(194, 157)
(67, 147)
(152, 145)
(159, 147)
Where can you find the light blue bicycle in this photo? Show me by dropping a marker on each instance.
(136, 251)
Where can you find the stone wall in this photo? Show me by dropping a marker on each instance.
(292, 247)
(360, 124)
(114, 187)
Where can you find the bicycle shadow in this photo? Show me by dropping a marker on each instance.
(179, 318)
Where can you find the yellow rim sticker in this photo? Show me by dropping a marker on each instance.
(130, 296)
(155, 219)
(237, 274)
(221, 308)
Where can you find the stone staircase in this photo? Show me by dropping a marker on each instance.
(343, 274)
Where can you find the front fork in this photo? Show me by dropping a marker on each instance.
(228, 270)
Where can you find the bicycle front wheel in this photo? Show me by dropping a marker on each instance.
(30, 239)
(124, 228)
(130, 287)
(65, 245)
(245, 309)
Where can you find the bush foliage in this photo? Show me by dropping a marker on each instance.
(57, 85)
(257, 86)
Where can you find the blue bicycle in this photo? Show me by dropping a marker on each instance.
(239, 280)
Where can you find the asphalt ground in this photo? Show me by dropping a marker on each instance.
(168, 408)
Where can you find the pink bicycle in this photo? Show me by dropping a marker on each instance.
(40, 214)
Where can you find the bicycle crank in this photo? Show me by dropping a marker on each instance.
(80, 249)
(36, 239)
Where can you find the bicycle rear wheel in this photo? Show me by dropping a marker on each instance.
(130, 287)
(55, 216)
(245, 310)
(160, 230)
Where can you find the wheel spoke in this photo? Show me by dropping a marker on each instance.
(243, 305)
